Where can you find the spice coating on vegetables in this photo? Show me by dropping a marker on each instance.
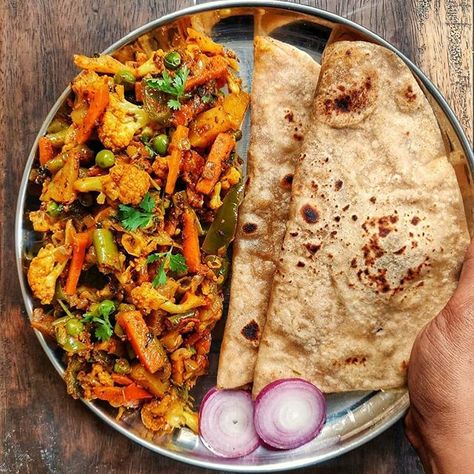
(133, 171)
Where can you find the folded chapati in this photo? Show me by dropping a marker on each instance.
(283, 90)
(376, 233)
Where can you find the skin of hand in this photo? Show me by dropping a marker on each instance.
(440, 422)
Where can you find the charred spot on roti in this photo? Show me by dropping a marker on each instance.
(372, 251)
(300, 264)
(287, 181)
(337, 218)
(345, 207)
(312, 248)
(251, 331)
(310, 214)
(407, 99)
(294, 234)
(298, 136)
(354, 217)
(333, 234)
(354, 263)
(289, 116)
(338, 185)
(249, 228)
(373, 199)
(344, 107)
(415, 220)
(355, 360)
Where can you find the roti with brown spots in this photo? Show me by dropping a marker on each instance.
(283, 89)
(376, 232)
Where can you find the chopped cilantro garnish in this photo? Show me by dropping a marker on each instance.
(133, 218)
(172, 85)
(99, 315)
(175, 263)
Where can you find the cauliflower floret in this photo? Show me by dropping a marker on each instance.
(168, 413)
(45, 269)
(147, 298)
(120, 122)
(61, 187)
(42, 222)
(125, 182)
(103, 64)
(128, 183)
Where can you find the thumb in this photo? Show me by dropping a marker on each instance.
(459, 311)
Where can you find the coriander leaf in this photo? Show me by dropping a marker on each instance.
(177, 263)
(174, 86)
(148, 203)
(132, 218)
(153, 257)
(100, 317)
(160, 277)
(103, 330)
(174, 104)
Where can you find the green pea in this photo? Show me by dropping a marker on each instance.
(54, 209)
(172, 60)
(74, 327)
(125, 78)
(122, 366)
(105, 159)
(160, 144)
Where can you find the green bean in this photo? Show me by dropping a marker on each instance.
(108, 256)
(122, 366)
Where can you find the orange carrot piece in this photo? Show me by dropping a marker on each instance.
(46, 152)
(97, 106)
(176, 155)
(139, 91)
(135, 392)
(121, 379)
(191, 249)
(148, 349)
(122, 395)
(220, 151)
(80, 244)
(216, 68)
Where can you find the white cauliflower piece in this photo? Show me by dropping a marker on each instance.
(45, 269)
(120, 122)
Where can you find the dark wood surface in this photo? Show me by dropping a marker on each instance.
(42, 430)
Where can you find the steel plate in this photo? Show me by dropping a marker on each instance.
(353, 418)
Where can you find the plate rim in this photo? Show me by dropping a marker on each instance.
(403, 402)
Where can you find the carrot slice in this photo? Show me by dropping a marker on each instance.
(122, 395)
(139, 91)
(191, 249)
(80, 244)
(148, 349)
(176, 155)
(46, 152)
(121, 379)
(220, 151)
(135, 392)
(97, 106)
(215, 68)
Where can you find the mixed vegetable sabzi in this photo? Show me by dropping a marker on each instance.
(140, 184)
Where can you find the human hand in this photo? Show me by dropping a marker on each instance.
(440, 422)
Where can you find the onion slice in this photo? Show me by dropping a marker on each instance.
(226, 423)
(289, 413)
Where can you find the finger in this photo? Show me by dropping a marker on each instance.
(459, 312)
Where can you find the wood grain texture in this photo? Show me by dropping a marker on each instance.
(42, 430)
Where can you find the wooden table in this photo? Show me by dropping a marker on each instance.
(41, 428)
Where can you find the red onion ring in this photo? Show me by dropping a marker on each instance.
(289, 413)
(226, 423)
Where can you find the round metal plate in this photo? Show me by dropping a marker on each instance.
(353, 418)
